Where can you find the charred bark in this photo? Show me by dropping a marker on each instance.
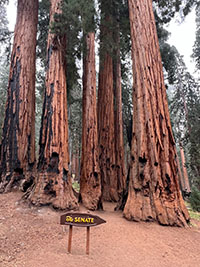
(154, 193)
(53, 185)
(18, 139)
(90, 179)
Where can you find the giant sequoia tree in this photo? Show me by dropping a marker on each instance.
(154, 192)
(53, 185)
(117, 84)
(111, 154)
(106, 106)
(18, 137)
(90, 181)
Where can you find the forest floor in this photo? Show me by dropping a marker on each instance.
(33, 237)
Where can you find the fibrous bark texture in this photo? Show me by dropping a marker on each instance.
(106, 128)
(54, 185)
(90, 180)
(154, 192)
(119, 142)
(18, 140)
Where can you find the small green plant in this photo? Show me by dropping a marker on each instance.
(194, 215)
(76, 186)
(195, 199)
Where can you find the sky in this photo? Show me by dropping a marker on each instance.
(182, 34)
(183, 37)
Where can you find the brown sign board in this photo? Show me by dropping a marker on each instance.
(81, 219)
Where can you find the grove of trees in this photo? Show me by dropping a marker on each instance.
(116, 137)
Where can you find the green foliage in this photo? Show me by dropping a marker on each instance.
(4, 72)
(127, 102)
(5, 34)
(166, 9)
(185, 110)
(76, 186)
(75, 121)
(43, 28)
(196, 47)
(79, 15)
(39, 96)
(168, 52)
(195, 199)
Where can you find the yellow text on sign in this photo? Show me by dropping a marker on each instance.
(79, 220)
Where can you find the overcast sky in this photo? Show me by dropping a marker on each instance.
(182, 34)
(183, 37)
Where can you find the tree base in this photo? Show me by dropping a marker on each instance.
(90, 202)
(10, 181)
(51, 189)
(165, 212)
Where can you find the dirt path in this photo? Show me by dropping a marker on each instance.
(33, 237)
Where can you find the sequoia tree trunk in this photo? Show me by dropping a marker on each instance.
(54, 185)
(119, 142)
(90, 179)
(154, 193)
(18, 139)
(106, 130)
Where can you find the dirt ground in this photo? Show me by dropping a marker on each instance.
(33, 237)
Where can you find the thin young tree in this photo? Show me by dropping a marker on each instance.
(18, 137)
(154, 193)
(53, 185)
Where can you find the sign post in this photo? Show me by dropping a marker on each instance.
(80, 220)
(70, 239)
(88, 240)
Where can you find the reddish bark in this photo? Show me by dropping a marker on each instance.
(53, 185)
(106, 130)
(119, 142)
(106, 125)
(75, 165)
(18, 139)
(90, 179)
(154, 192)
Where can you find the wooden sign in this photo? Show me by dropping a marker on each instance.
(80, 220)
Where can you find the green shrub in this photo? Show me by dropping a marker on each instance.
(195, 199)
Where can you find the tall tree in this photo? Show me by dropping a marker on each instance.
(117, 82)
(53, 185)
(18, 138)
(90, 179)
(184, 107)
(154, 192)
(106, 125)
